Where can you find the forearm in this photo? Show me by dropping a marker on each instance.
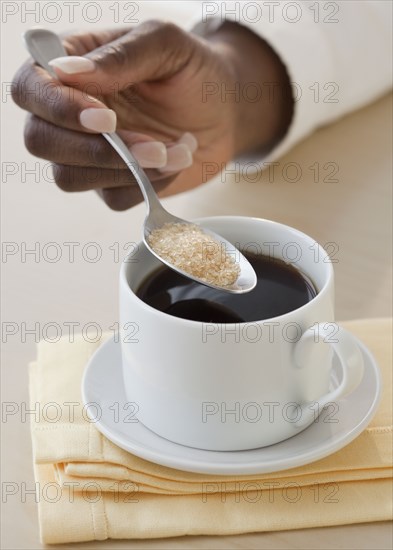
(336, 54)
(261, 89)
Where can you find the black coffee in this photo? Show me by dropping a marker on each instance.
(280, 288)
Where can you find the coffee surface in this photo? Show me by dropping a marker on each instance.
(280, 288)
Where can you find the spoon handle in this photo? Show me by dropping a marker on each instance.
(44, 45)
(139, 174)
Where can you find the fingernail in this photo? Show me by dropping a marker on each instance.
(73, 64)
(99, 120)
(150, 154)
(189, 140)
(178, 157)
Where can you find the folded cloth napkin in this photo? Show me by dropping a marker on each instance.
(90, 489)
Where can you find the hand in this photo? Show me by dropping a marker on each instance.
(150, 84)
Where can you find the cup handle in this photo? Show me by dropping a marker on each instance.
(345, 347)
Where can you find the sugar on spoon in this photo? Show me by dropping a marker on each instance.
(240, 277)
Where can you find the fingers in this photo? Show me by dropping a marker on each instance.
(178, 154)
(68, 147)
(45, 140)
(72, 178)
(122, 198)
(117, 188)
(84, 42)
(34, 90)
(152, 51)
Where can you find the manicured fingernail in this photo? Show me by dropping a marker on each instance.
(99, 120)
(178, 157)
(73, 64)
(150, 154)
(189, 140)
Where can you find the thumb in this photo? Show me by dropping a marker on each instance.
(154, 50)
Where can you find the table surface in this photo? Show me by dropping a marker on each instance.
(354, 213)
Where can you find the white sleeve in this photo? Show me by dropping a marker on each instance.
(337, 54)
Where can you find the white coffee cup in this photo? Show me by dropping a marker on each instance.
(236, 386)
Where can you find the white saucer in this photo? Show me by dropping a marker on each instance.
(103, 385)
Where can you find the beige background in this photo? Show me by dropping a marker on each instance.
(354, 213)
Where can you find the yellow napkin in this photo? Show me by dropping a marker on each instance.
(92, 490)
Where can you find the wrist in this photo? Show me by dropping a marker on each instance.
(260, 90)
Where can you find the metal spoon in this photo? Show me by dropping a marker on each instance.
(44, 46)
